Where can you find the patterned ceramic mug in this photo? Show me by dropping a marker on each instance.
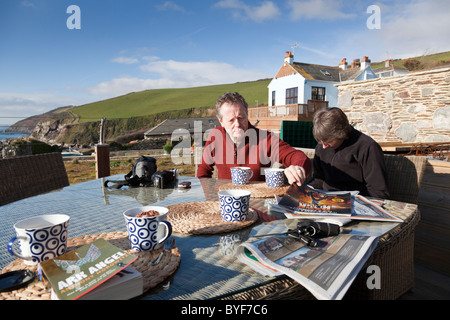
(241, 175)
(234, 205)
(41, 238)
(147, 233)
(274, 177)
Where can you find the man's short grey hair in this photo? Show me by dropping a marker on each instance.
(232, 98)
(329, 124)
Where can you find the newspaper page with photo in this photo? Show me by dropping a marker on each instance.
(327, 271)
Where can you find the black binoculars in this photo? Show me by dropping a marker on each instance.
(309, 232)
(318, 229)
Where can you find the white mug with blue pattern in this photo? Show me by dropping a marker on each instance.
(147, 233)
(241, 175)
(274, 177)
(234, 205)
(40, 238)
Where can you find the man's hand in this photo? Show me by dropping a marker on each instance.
(295, 174)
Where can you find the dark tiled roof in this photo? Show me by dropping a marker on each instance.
(171, 125)
(350, 74)
(317, 72)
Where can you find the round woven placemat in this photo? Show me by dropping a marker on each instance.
(259, 189)
(204, 218)
(152, 275)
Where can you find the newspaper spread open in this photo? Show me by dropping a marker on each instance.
(326, 271)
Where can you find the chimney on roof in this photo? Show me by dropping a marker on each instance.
(289, 57)
(365, 62)
(388, 63)
(343, 64)
(356, 64)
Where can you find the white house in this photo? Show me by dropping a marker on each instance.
(296, 83)
(390, 70)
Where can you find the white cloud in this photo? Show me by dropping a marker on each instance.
(201, 73)
(27, 4)
(266, 11)
(123, 85)
(317, 9)
(176, 74)
(408, 29)
(170, 6)
(416, 28)
(150, 58)
(125, 60)
(317, 51)
(17, 106)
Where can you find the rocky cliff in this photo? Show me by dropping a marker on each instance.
(62, 127)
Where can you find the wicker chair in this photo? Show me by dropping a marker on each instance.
(28, 176)
(405, 176)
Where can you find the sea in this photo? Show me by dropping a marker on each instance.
(6, 135)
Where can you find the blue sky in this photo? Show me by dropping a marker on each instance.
(133, 45)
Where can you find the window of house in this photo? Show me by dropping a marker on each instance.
(292, 95)
(325, 73)
(273, 98)
(318, 93)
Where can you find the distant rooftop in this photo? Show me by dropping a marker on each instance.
(317, 72)
(169, 126)
(340, 73)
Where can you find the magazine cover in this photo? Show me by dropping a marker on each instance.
(362, 209)
(77, 272)
(308, 200)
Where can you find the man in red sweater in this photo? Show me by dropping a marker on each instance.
(237, 143)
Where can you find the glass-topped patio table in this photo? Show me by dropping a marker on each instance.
(208, 269)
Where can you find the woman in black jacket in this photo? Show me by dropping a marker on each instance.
(345, 158)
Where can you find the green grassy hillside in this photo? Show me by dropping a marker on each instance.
(426, 61)
(149, 102)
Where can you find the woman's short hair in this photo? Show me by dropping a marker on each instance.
(232, 98)
(329, 124)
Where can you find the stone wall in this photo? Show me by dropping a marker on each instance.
(7, 150)
(411, 108)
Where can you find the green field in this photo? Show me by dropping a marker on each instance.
(160, 100)
(426, 61)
